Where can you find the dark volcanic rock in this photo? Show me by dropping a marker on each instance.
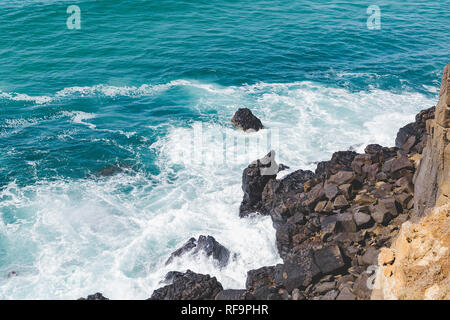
(329, 259)
(245, 120)
(254, 179)
(416, 129)
(206, 244)
(188, 286)
(281, 198)
(96, 296)
(340, 161)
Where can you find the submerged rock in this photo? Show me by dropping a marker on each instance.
(188, 286)
(245, 120)
(205, 244)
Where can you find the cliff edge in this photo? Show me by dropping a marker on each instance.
(417, 265)
(432, 179)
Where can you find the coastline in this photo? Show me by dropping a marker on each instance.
(332, 224)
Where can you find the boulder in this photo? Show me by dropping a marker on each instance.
(329, 259)
(188, 286)
(340, 161)
(254, 179)
(206, 245)
(245, 120)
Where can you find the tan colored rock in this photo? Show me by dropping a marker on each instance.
(432, 178)
(421, 266)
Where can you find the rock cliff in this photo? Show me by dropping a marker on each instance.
(432, 179)
(417, 265)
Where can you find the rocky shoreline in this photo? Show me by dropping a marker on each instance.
(332, 224)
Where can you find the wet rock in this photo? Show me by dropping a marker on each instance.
(188, 286)
(96, 296)
(254, 179)
(245, 120)
(205, 244)
(12, 274)
(329, 259)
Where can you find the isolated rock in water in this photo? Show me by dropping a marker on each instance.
(12, 274)
(254, 179)
(109, 171)
(188, 286)
(205, 244)
(97, 296)
(245, 120)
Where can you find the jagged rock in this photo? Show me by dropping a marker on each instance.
(245, 120)
(205, 244)
(329, 259)
(340, 202)
(254, 179)
(342, 177)
(282, 198)
(331, 190)
(415, 129)
(400, 163)
(96, 296)
(340, 161)
(300, 270)
(345, 222)
(188, 286)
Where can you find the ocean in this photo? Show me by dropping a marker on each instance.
(126, 86)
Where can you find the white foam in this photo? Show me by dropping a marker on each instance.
(70, 238)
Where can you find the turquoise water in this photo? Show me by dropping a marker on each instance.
(130, 88)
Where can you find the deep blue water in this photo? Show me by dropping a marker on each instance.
(130, 88)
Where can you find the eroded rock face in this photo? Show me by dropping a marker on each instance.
(206, 245)
(417, 265)
(188, 286)
(432, 179)
(245, 120)
(254, 179)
